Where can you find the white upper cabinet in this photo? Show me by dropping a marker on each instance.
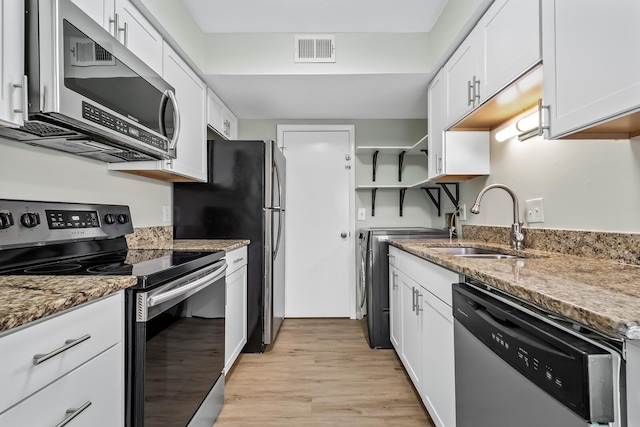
(190, 163)
(191, 93)
(591, 62)
(220, 117)
(503, 45)
(462, 74)
(129, 26)
(12, 91)
(511, 42)
(437, 120)
(453, 156)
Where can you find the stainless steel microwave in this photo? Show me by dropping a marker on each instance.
(89, 95)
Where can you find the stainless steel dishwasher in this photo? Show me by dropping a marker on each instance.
(516, 365)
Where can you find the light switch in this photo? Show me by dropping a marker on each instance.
(534, 211)
(362, 214)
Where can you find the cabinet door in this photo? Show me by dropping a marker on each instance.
(395, 308)
(231, 125)
(511, 42)
(12, 63)
(411, 330)
(138, 35)
(437, 120)
(462, 72)
(191, 94)
(101, 11)
(438, 392)
(215, 112)
(235, 316)
(589, 76)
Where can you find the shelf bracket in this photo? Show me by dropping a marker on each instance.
(454, 199)
(402, 191)
(400, 162)
(426, 152)
(435, 199)
(373, 200)
(375, 164)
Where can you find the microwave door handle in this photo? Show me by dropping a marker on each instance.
(176, 117)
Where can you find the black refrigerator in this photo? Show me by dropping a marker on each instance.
(244, 198)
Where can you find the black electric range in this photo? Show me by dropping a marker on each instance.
(45, 238)
(174, 315)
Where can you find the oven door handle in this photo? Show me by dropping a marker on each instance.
(194, 286)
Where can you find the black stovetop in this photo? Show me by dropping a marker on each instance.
(152, 267)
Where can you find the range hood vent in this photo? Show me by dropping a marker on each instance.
(315, 48)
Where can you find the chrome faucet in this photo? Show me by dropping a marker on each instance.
(516, 237)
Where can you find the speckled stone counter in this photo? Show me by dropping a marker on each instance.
(599, 293)
(24, 299)
(208, 245)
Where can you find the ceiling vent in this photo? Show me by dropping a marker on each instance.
(315, 48)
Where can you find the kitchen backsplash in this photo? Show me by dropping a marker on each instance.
(160, 237)
(619, 247)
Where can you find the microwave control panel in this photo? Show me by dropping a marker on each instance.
(97, 115)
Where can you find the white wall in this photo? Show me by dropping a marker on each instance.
(356, 53)
(33, 173)
(418, 209)
(585, 184)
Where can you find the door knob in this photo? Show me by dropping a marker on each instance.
(343, 235)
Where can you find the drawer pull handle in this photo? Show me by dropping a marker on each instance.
(39, 358)
(72, 413)
(237, 260)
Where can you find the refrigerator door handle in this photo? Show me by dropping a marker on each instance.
(275, 252)
(277, 170)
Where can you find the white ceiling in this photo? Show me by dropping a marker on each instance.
(320, 96)
(311, 16)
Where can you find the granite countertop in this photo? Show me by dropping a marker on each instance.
(209, 245)
(24, 299)
(602, 294)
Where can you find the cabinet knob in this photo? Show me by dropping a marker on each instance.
(343, 235)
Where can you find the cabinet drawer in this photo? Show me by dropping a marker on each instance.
(432, 277)
(236, 259)
(99, 381)
(101, 320)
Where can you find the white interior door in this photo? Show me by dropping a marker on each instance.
(319, 238)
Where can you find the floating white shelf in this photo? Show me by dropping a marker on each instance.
(414, 149)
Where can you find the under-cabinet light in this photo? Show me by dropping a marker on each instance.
(521, 128)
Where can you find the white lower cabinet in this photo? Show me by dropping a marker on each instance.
(425, 346)
(91, 394)
(235, 334)
(45, 379)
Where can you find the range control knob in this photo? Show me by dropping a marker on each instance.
(30, 219)
(123, 218)
(110, 218)
(6, 220)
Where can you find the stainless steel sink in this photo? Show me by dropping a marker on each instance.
(470, 252)
(465, 250)
(490, 256)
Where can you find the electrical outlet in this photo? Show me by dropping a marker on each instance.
(462, 212)
(534, 210)
(166, 214)
(362, 214)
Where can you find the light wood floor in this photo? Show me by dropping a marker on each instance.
(321, 372)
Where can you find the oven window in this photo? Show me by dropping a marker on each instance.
(95, 73)
(184, 357)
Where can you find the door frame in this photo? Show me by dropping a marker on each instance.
(280, 130)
